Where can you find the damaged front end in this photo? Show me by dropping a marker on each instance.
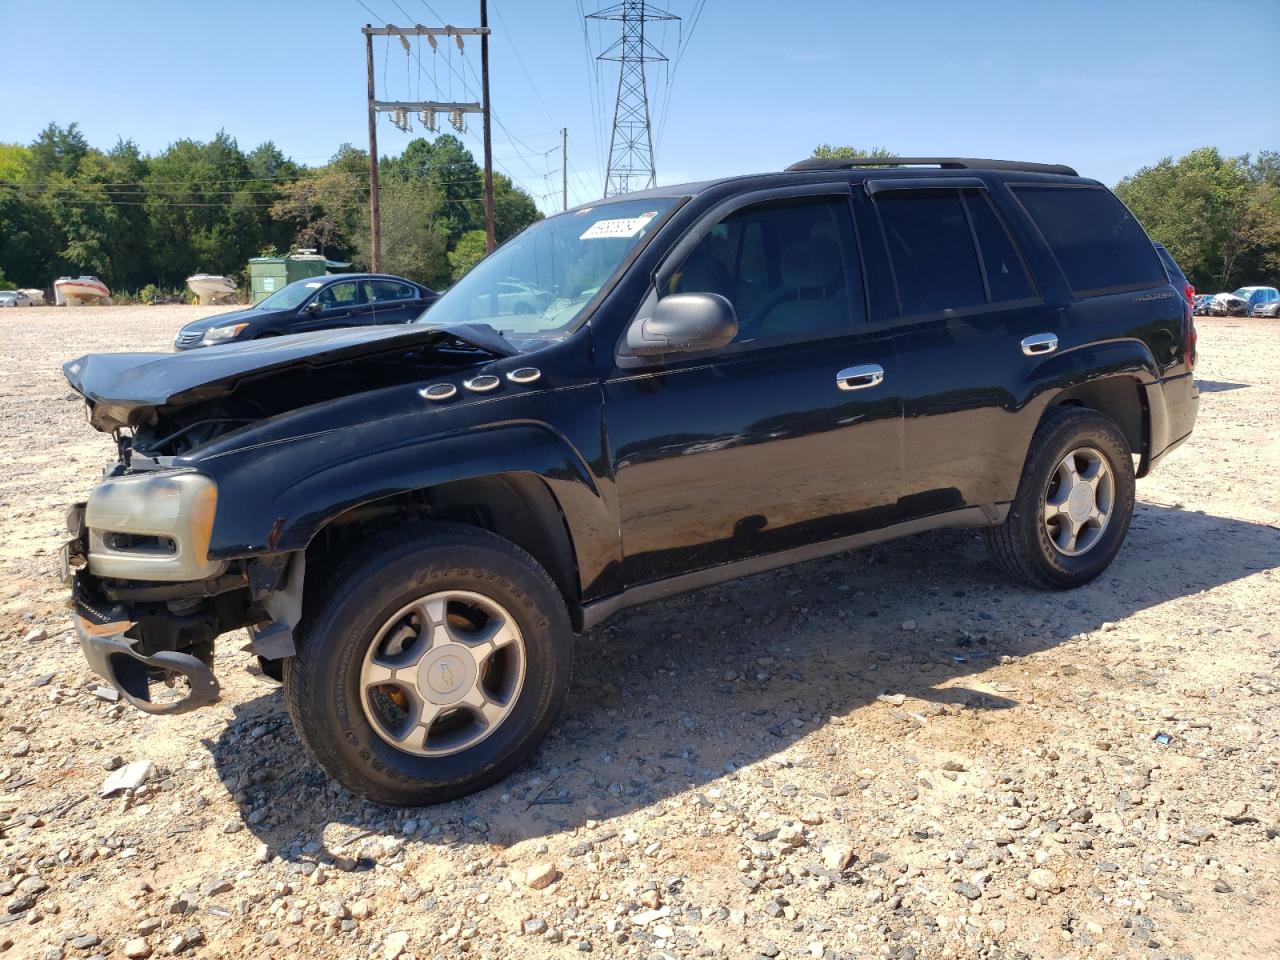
(150, 595)
(145, 637)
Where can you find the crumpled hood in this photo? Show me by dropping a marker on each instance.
(122, 389)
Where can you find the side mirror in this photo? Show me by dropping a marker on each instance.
(315, 306)
(684, 323)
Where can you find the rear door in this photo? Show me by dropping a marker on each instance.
(392, 301)
(788, 436)
(968, 315)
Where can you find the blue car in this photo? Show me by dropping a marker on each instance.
(316, 303)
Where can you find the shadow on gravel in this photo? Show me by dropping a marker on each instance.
(1220, 386)
(670, 696)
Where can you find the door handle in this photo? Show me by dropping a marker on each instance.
(1039, 344)
(861, 377)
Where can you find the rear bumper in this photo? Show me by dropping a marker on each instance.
(1172, 405)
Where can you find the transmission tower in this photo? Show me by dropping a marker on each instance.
(631, 144)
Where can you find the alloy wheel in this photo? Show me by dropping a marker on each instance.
(443, 673)
(1079, 501)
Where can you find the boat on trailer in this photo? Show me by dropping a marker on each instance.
(212, 288)
(80, 291)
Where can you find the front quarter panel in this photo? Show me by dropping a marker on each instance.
(276, 494)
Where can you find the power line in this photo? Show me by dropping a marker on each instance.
(675, 66)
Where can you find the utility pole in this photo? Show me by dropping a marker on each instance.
(631, 145)
(427, 110)
(375, 214)
(564, 167)
(490, 243)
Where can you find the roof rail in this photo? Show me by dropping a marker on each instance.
(946, 163)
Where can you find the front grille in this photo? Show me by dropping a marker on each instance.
(186, 339)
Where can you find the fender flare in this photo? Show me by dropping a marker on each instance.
(1074, 371)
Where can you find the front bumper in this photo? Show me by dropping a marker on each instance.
(102, 630)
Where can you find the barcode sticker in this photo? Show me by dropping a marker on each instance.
(626, 227)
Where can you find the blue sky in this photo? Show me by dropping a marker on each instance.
(1104, 86)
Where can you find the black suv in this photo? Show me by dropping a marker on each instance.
(643, 396)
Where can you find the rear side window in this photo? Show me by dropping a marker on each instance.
(385, 290)
(1006, 274)
(931, 238)
(1097, 242)
(1171, 266)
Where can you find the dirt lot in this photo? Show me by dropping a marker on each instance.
(891, 753)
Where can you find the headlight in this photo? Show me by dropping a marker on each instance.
(153, 526)
(219, 334)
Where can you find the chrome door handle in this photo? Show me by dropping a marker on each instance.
(860, 378)
(1039, 344)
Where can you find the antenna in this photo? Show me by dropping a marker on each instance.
(631, 144)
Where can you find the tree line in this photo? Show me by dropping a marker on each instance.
(1219, 216)
(132, 219)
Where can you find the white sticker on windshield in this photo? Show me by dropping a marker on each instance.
(626, 227)
(312, 286)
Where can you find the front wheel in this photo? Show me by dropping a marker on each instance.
(1073, 505)
(434, 661)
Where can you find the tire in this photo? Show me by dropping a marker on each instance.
(1024, 545)
(328, 695)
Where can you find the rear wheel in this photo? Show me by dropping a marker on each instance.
(433, 663)
(1073, 505)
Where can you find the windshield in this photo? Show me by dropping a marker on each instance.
(289, 297)
(536, 285)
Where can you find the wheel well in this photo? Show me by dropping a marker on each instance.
(516, 506)
(1121, 399)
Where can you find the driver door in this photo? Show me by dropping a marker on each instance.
(771, 443)
(340, 304)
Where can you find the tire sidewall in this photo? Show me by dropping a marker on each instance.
(1076, 430)
(350, 620)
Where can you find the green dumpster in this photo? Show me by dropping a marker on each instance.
(269, 274)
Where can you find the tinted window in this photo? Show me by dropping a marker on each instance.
(1006, 274)
(1171, 266)
(790, 268)
(339, 295)
(934, 262)
(382, 291)
(1097, 243)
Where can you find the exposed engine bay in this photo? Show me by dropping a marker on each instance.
(172, 432)
(167, 405)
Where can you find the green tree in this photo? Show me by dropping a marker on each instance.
(1219, 216)
(411, 247)
(57, 150)
(824, 151)
(467, 253)
(133, 219)
(513, 209)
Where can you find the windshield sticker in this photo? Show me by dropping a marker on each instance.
(626, 227)
(312, 286)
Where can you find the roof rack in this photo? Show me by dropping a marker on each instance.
(946, 163)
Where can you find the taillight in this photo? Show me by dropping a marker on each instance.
(1191, 293)
(1192, 337)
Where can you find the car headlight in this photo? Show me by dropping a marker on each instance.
(153, 526)
(219, 334)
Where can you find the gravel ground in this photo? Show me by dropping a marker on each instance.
(891, 753)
